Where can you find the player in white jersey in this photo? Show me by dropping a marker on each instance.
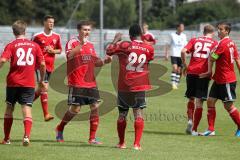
(177, 41)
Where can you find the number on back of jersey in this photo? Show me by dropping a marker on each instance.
(133, 58)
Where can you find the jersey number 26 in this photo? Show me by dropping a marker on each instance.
(23, 58)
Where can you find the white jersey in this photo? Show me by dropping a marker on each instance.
(177, 43)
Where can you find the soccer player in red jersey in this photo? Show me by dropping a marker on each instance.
(197, 86)
(224, 84)
(133, 81)
(50, 43)
(148, 37)
(23, 55)
(81, 61)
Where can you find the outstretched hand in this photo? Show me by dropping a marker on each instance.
(117, 37)
(107, 59)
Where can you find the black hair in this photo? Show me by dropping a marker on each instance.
(135, 30)
(48, 17)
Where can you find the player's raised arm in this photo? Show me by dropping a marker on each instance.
(114, 46)
(76, 49)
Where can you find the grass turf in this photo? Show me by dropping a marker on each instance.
(164, 133)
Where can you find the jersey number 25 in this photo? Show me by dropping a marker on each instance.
(200, 47)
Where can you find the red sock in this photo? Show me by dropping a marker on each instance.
(234, 113)
(94, 122)
(67, 118)
(197, 117)
(138, 126)
(27, 126)
(36, 95)
(44, 101)
(121, 126)
(190, 110)
(8, 120)
(211, 118)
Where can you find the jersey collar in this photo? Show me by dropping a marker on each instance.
(48, 35)
(79, 40)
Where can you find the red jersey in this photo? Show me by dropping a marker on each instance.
(44, 40)
(23, 55)
(149, 37)
(199, 48)
(80, 68)
(224, 71)
(134, 58)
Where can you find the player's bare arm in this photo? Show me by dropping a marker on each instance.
(51, 50)
(2, 61)
(117, 38)
(42, 85)
(209, 72)
(238, 64)
(99, 63)
(183, 56)
(167, 48)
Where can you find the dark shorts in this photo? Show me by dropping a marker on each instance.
(22, 95)
(197, 87)
(128, 100)
(177, 61)
(225, 92)
(46, 77)
(83, 96)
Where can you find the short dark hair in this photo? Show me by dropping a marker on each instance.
(19, 27)
(208, 29)
(135, 30)
(227, 26)
(48, 17)
(84, 23)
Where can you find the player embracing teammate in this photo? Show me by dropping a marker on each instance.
(224, 85)
(225, 80)
(197, 85)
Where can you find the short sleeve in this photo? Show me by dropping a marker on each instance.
(117, 48)
(190, 46)
(69, 46)
(220, 49)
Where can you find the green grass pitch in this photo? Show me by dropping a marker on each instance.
(164, 133)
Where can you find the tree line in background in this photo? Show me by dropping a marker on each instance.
(159, 14)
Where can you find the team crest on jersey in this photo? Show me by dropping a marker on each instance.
(54, 41)
(43, 41)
